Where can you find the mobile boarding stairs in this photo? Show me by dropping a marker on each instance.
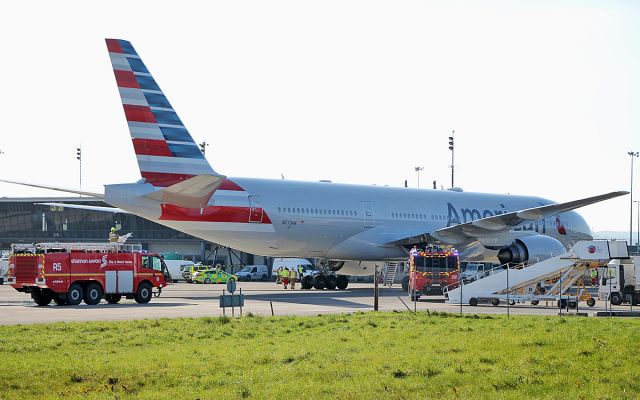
(519, 284)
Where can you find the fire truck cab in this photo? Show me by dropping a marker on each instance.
(69, 273)
(432, 270)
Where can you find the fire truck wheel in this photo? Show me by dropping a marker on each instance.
(405, 283)
(59, 301)
(307, 282)
(42, 297)
(495, 302)
(75, 295)
(319, 281)
(473, 302)
(330, 282)
(591, 302)
(144, 293)
(113, 298)
(342, 282)
(93, 294)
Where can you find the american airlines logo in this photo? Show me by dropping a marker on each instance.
(463, 215)
(591, 249)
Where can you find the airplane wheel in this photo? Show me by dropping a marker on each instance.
(562, 303)
(573, 304)
(342, 282)
(591, 302)
(512, 302)
(307, 282)
(495, 302)
(319, 282)
(535, 302)
(331, 282)
(473, 302)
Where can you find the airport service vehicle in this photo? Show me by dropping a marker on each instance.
(253, 273)
(176, 268)
(340, 224)
(620, 281)
(189, 271)
(69, 273)
(289, 262)
(4, 267)
(432, 270)
(473, 272)
(214, 276)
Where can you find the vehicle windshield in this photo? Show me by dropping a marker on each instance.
(246, 269)
(436, 263)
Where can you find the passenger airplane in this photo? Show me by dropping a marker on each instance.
(339, 223)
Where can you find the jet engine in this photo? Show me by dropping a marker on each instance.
(531, 249)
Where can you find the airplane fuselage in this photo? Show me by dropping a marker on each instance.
(283, 218)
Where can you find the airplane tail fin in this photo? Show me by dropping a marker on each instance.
(166, 152)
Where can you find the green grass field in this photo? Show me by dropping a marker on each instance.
(356, 356)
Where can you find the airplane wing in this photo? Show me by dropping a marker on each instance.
(59, 189)
(471, 231)
(85, 207)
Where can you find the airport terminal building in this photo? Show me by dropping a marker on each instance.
(26, 220)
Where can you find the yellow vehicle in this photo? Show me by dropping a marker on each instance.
(189, 271)
(214, 276)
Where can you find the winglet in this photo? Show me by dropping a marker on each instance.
(541, 212)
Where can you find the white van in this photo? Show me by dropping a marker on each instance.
(253, 273)
(282, 262)
(176, 267)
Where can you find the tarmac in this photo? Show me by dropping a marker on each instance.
(198, 300)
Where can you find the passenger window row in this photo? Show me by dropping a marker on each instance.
(317, 211)
(418, 216)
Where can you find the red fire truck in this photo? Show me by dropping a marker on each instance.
(432, 270)
(69, 273)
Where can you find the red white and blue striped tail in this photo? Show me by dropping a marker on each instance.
(166, 152)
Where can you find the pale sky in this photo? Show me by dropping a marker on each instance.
(544, 96)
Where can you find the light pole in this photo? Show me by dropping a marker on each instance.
(638, 227)
(632, 154)
(79, 158)
(203, 146)
(418, 169)
(451, 148)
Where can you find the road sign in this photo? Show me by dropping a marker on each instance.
(231, 301)
(231, 286)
